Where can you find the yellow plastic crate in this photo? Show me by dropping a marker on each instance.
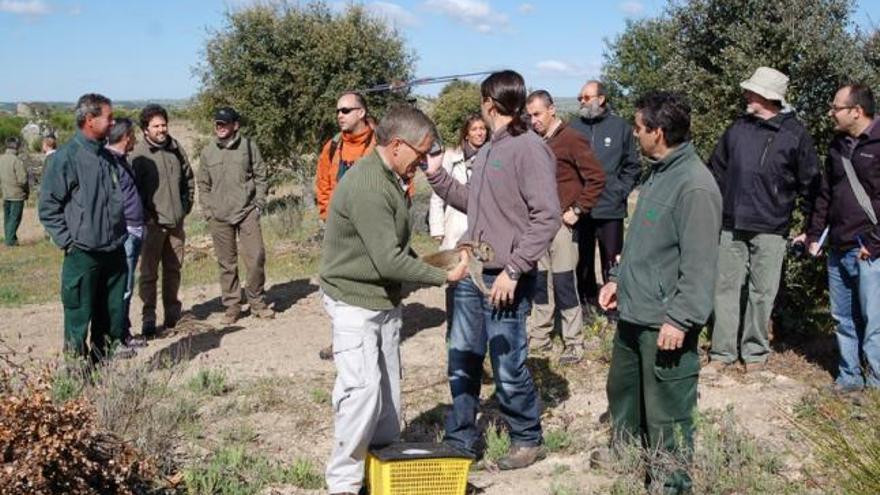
(417, 469)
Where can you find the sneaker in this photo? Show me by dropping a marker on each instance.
(135, 342)
(572, 354)
(231, 316)
(538, 347)
(520, 457)
(326, 354)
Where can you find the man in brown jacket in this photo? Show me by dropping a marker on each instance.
(579, 182)
(165, 180)
(232, 193)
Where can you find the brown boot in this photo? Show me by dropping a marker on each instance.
(520, 457)
(262, 311)
(326, 353)
(231, 316)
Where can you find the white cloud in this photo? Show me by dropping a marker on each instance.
(475, 13)
(525, 8)
(631, 8)
(553, 67)
(392, 12)
(24, 7)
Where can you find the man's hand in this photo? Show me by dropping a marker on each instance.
(569, 217)
(608, 296)
(461, 269)
(814, 249)
(864, 254)
(801, 239)
(502, 290)
(434, 163)
(670, 338)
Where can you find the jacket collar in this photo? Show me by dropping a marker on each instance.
(229, 144)
(170, 144)
(499, 134)
(598, 118)
(675, 157)
(90, 144)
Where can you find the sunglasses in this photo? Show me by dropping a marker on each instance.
(347, 110)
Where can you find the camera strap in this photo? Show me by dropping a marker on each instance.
(859, 190)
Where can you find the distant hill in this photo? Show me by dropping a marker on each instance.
(167, 103)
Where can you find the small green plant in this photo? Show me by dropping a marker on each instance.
(210, 382)
(320, 396)
(67, 383)
(557, 440)
(497, 442)
(232, 470)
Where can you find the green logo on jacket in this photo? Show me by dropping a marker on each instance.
(496, 164)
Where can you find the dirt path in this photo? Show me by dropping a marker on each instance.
(275, 362)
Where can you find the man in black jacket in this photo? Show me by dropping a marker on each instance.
(853, 237)
(763, 162)
(611, 138)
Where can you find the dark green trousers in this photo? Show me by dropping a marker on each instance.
(652, 396)
(12, 211)
(92, 288)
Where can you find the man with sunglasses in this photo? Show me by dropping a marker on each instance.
(355, 140)
(614, 146)
(366, 257)
(233, 185)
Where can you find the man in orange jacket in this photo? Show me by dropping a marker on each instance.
(355, 140)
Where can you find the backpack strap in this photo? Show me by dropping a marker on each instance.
(859, 190)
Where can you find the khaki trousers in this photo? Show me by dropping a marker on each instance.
(366, 396)
(556, 290)
(161, 245)
(248, 236)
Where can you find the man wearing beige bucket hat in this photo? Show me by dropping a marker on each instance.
(763, 162)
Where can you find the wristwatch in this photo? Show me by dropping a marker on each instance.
(577, 210)
(512, 272)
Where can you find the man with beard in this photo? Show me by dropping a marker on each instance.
(165, 180)
(611, 138)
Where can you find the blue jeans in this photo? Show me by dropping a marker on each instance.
(132, 253)
(854, 287)
(475, 325)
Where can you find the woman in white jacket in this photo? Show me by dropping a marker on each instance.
(446, 223)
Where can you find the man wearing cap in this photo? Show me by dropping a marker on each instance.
(764, 161)
(14, 181)
(232, 193)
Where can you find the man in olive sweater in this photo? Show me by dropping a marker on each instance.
(663, 290)
(14, 182)
(366, 257)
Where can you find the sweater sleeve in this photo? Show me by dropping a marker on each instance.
(372, 215)
(54, 194)
(536, 174)
(188, 182)
(589, 170)
(699, 224)
(818, 218)
(452, 191)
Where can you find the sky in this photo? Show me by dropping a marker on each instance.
(56, 50)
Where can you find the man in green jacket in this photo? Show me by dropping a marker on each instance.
(165, 181)
(366, 257)
(232, 192)
(14, 180)
(81, 207)
(663, 290)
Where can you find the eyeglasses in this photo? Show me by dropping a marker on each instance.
(586, 98)
(347, 110)
(836, 109)
(420, 154)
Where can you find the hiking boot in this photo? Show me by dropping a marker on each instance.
(148, 330)
(755, 367)
(122, 351)
(262, 311)
(539, 347)
(520, 457)
(230, 316)
(326, 354)
(572, 354)
(716, 366)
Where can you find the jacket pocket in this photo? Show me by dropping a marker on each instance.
(71, 293)
(676, 365)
